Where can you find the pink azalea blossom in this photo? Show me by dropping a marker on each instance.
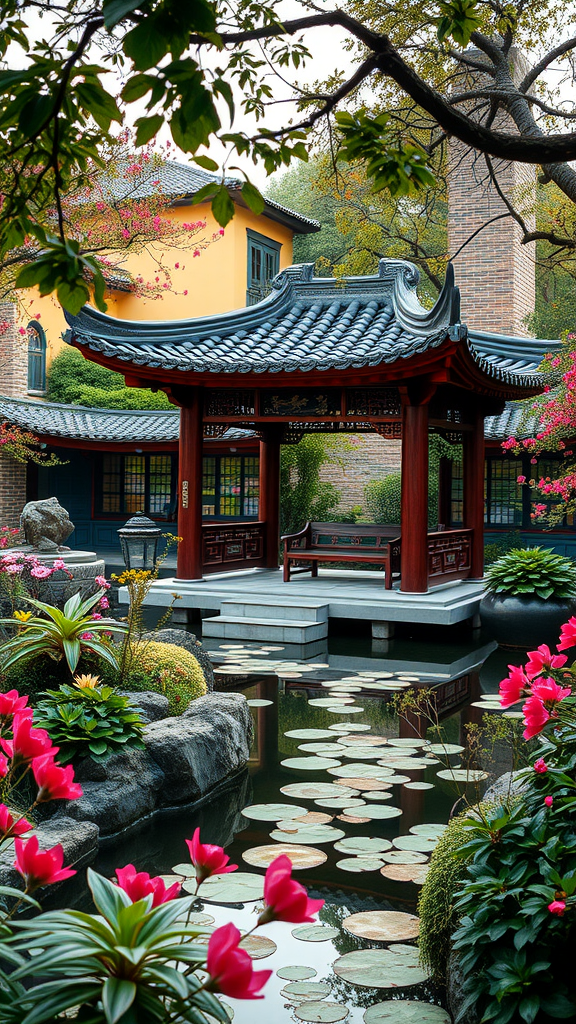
(541, 659)
(567, 635)
(548, 800)
(557, 907)
(540, 766)
(513, 687)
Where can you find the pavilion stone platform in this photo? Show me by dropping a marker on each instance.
(256, 604)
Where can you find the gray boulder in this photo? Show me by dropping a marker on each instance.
(118, 791)
(46, 524)
(79, 840)
(505, 788)
(181, 638)
(209, 742)
(151, 706)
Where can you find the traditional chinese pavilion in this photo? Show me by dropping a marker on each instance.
(318, 354)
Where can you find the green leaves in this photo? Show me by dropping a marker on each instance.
(253, 197)
(116, 10)
(93, 722)
(117, 997)
(537, 570)
(458, 20)
(397, 165)
(147, 128)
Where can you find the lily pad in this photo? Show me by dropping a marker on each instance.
(405, 857)
(313, 790)
(364, 741)
(200, 919)
(418, 785)
(379, 812)
(352, 819)
(314, 818)
(304, 991)
(362, 771)
(362, 753)
(296, 973)
(326, 749)
(339, 802)
(357, 865)
(321, 1013)
(406, 1011)
(407, 741)
(309, 834)
(376, 797)
(362, 845)
(428, 829)
(419, 844)
(236, 887)
(258, 702)
(380, 968)
(302, 857)
(258, 946)
(272, 812)
(333, 710)
(405, 873)
(329, 702)
(309, 734)
(463, 775)
(314, 763)
(365, 785)
(187, 871)
(383, 925)
(315, 932)
(347, 727)
(445, 748)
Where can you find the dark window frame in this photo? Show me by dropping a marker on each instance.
(36, 376)
(122, 512)
(268, 249)
(218, 516)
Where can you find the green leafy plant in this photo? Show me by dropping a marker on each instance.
(128, 963)
(538, 571)
(84, 721)
(167, 669)
(303, 495)
(61, 634)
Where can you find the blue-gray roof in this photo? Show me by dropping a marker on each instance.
(180, 182)
(305, 324)
(54, 419)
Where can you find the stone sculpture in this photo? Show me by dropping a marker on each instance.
(46, 525)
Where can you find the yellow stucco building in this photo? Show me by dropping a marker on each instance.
(233, 271)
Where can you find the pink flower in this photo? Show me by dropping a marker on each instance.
(547, 690)
(567, 635)
(95, 615)
(230, 968)
(540, 766)
(557, 907)
(40, 867)
(541, 659)
(9, 827)
(86, 636)
(53, 781)
(104, 602)
(139, 884)
(207, 859)
(27, 742)
(3, 767)
(59, 563)
(535, 717)
(11, 703)
(548, 800)
(512, 688)
(101, 581)
(40, 572)
(286, 899)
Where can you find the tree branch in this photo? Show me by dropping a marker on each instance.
(558, 51)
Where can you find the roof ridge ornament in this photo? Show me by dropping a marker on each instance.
(445, 313)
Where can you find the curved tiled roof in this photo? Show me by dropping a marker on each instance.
(305, 324)
(55, 419)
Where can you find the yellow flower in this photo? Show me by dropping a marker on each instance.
(22, 617)
(87, 682)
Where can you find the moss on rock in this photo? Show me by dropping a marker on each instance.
(166, 669)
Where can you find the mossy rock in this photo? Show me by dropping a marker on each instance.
(166, 669)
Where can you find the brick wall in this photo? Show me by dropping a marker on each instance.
(363, 458)
(495, 271)
(13, 383)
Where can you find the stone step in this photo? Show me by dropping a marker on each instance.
(290, 631)
(261, 607)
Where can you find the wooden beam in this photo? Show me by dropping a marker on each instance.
(189, 562)
(414, 506)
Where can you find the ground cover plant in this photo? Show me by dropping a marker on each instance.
(138, 959)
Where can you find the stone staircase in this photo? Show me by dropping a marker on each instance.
(275, 619)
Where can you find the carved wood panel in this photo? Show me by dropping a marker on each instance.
(229, 544)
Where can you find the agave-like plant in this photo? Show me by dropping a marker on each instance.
(61, 634)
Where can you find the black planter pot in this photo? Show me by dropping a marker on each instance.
(524, 620)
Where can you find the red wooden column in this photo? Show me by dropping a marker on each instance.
(414, 515)
(473, 485)
(190, 487)
(269, 500)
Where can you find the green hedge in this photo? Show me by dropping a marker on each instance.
(74, 380)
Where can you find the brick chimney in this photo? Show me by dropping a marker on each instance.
(494, 271)
(13, 384)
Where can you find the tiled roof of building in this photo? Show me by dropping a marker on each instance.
(55, 419)
(181, 181)
(305, 324)
(513, 422)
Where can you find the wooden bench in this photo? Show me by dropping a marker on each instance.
(342, 542)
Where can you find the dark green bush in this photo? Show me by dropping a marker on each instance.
(303, 495)
(76, 381)
(89, 722)
(536, 570)
(122, 398)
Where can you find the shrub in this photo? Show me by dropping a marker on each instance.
(495, 548)
(536, 570)
(85, 721)
(122, 398)
(76, 381)
(166, 669)
(303, 495)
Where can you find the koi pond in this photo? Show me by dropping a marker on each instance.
(357, 797)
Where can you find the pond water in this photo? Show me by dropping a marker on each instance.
(327, 744)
